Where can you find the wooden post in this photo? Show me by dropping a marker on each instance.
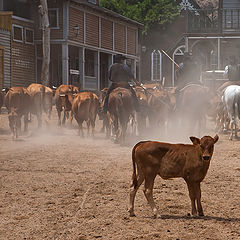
(43, 10)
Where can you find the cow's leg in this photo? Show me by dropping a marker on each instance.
(39, 119)
(71, 118)
(64, 117)
(235, 126)
(231, 126)
(93, 119)
(88, 127)
(133, 191)
(25, 122)
(59, 117)
(192, 195)
(148, 192)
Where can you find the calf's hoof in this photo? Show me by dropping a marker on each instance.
(131, 213)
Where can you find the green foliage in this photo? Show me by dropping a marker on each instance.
(147, 12)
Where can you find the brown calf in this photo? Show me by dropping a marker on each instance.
(191, 162)
(85, 107)
(17, 101)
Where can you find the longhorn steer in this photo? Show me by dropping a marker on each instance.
(191, 162)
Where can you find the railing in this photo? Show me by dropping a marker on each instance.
(213, 20)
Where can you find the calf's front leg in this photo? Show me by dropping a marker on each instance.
(195, 195)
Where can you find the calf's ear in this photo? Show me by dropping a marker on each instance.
(195, 140)
(216, 138)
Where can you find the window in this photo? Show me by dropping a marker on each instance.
(17, 33)
(53, 17)
(29, 36)
(53, 14)
(89, 63)
(92, 1)
(156, 65)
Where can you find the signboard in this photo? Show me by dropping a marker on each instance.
(74, 72)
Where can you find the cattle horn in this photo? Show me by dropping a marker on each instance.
(4, 89)
(54, 87)
(62, 95)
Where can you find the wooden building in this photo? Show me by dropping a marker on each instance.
(211, 35)
(84, 40)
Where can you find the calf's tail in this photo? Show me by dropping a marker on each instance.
(134, 175)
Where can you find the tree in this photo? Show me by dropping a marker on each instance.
(148, 12)
(43, 10)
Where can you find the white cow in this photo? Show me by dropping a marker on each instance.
(231, 101)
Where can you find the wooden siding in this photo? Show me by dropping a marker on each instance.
(23, 64)
(106, 34)
(23, 58)
(5, 44)
(76, 18)
(92, 30)
(120, 38)
(131, 41)
(6, 21)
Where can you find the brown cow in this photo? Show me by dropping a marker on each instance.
(64, 96)
(48, 101)
(189, 161)
(105, 117)
(160, 108)
(17, 101)
(85, 107)
(142, 115)
(37, 94)
(121, 108)
(192, 108)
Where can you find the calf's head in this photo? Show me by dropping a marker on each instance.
(206, 145)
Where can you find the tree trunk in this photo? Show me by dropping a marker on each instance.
(43, 9)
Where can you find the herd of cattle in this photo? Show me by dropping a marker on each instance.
(159, 107)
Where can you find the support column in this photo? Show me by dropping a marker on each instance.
(110, 62)
(219, 53)
(134, 68)
(98, 71)
(186, 44)
(82, 67)
(65, 70)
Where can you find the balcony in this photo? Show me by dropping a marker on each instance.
(213, 21)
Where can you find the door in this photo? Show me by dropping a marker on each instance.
(1, 67)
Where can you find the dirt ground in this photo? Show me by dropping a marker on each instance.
(55, 185)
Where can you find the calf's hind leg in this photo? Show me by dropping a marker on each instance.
(148, 192)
